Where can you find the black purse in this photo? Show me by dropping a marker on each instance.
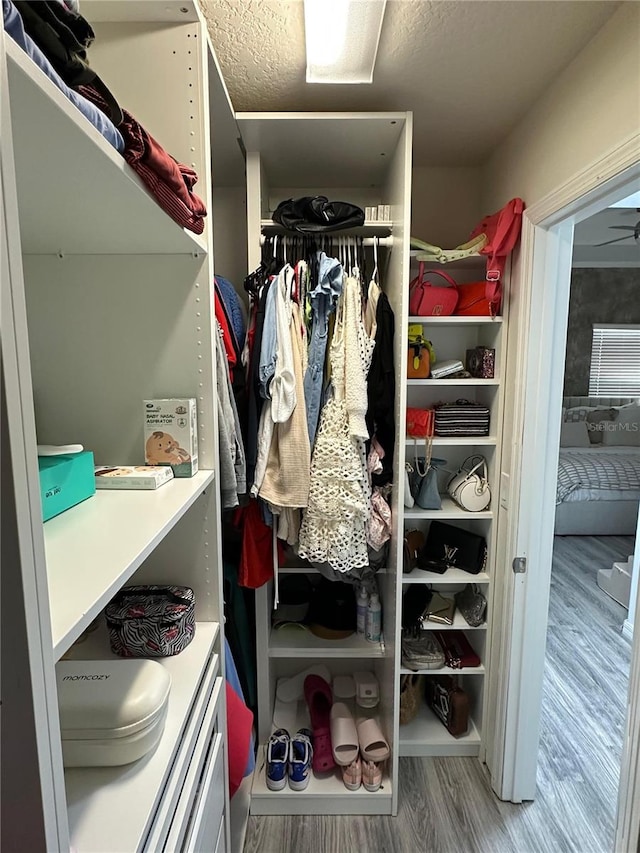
(449, 547)
(317, 214)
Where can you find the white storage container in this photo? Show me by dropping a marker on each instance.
(111, 712)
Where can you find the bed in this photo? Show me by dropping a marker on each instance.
(598, 490)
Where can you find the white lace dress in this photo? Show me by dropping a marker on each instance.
(333, 528)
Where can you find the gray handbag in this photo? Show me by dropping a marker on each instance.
(472, 604)
(425, 479)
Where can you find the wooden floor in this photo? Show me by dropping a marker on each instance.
(446, 804)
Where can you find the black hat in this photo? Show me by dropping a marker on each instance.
(332, 613)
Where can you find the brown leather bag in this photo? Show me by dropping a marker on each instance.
(449, 703)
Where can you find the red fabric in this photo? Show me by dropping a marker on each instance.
(256, 558)
(239, 725)
(221, 317)
(170, 182)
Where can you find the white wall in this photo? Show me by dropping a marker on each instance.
(445, 204)
(590, 108)
(230, 235)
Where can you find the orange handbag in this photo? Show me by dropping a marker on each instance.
(419, 359)
(474, 299)
(420, 422)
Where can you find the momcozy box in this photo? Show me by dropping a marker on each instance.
(171, 435)
(111, 712)
(132, 476)
(65, 481)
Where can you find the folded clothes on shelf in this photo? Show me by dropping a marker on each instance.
(171, 183)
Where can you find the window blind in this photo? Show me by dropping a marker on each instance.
(615, 361)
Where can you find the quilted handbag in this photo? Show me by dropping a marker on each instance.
(420, 422)
(469, 486)
(151, 621)
(425, 300)
(422, 651)
(450, 547)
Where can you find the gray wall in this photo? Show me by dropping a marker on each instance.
(597, 296)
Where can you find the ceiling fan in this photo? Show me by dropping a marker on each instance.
(634, 229)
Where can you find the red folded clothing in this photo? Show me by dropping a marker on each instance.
(170, 182)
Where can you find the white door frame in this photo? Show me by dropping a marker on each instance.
(540, 327)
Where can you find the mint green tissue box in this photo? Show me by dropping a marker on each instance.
(65, 481)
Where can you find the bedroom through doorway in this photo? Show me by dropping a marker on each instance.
(594, 575)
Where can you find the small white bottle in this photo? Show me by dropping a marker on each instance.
(362, 602)
(374, 619)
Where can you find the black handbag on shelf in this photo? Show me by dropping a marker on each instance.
(449, 547)
(317, 214)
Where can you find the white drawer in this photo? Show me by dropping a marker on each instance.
(207, 822)
(202, 708)
(208, 750)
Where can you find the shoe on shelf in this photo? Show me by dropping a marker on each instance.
(352, 775)
(371, 775)
(317, 693)
(277, 758)
(344, 735)
(300, 758)
(367, 689)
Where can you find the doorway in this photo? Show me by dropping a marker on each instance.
(532, 478)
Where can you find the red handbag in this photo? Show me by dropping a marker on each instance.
(420, 422)
(473, 300)
(425, 300)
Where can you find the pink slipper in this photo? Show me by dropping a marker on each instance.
(344, 737)
(373, 746)
(317, 694)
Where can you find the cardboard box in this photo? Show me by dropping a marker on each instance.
(171, 435)
(132, 476)
(65, 481)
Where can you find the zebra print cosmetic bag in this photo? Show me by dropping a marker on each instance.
(151, 621)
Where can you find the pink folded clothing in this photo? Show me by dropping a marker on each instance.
(170, 182)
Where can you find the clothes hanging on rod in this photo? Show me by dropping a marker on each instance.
(314, 324)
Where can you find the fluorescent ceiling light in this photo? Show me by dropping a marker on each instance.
(342, 39)
(630, 201)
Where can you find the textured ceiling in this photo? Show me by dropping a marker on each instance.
(469, 69)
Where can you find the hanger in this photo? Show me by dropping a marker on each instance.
(374, 275)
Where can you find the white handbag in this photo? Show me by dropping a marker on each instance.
(469, 486)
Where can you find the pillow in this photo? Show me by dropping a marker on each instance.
(625, 430)
(574, 435)
(597, 421)
(577, 413)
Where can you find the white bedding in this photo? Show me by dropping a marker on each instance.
(588, 491)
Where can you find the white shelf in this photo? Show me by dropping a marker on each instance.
(449, 510)
(456, 321)
(94, 548)
(292, 642)
(459, 624)
(117, 216)
(444, 382)
(325, 795)
(457, 441)
(445, 670)
(112, 808)
(426, 735)
(457, 576)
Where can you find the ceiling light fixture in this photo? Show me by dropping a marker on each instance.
(342, 39)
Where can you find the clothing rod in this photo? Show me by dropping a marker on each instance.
(366, 241)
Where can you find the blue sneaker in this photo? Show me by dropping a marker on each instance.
(277, 756)
(300, 757)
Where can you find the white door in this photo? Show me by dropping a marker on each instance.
(536, 346)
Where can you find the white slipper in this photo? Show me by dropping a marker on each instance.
(344, 688)
(367, 689)
(292, 689)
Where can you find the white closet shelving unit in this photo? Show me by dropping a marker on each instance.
(364, 158)
(106, 302)
(451, 337)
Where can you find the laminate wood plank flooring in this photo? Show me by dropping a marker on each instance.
(446, 804)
